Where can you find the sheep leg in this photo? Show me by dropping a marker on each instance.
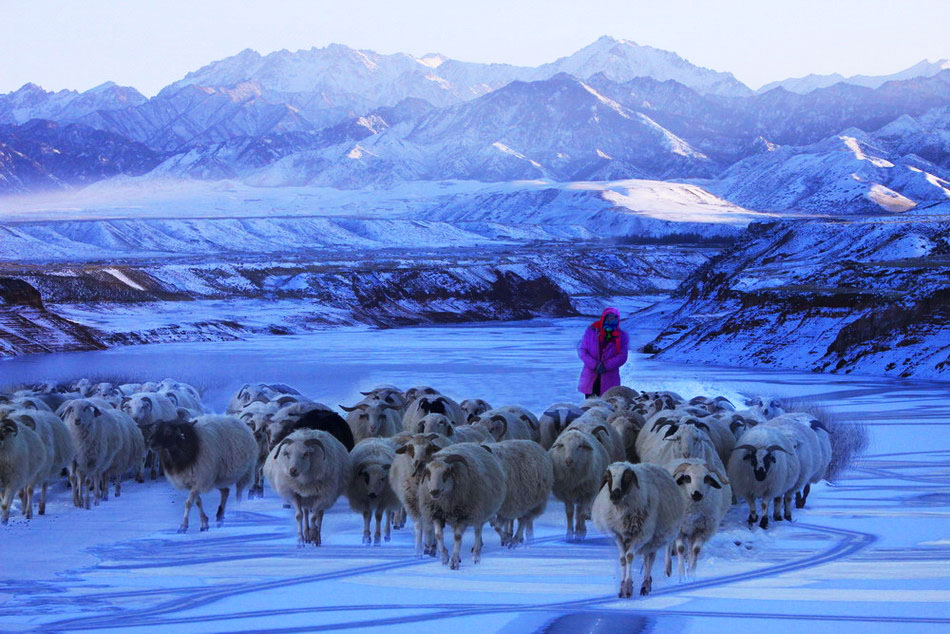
(569, 512)
(377, 538)
(26, 508)
(201, 513)
(306, 523)
(802, 496)
(118, 484)
(316, 525)
(477, 548)
(647, 586)
(499, 526)
(399, 518)
(456, 559)
(681, 548)
(5, 503)
(529, 529)
(694, 551)
(191, 500)
(418, 529)
(753, 514)
(626, 558)
(219, 516)
(389, 524)
(298, 515)
(104, 487)
(764, 522)
(42, 509)
(777, 509)
(668, 561)
(580, 528)
(366, 521)
(788, 507)
(75, 482)
(518, 537)
(439, 527)
(88, 492)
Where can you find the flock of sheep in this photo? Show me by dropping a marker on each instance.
(653, 470)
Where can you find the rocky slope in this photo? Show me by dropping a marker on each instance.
(868, 296)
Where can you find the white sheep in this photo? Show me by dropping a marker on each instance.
(665, 440)
(504, 424)
(472, 407)
(605, 434)
(130, 458)
(148, 409)
(807, 451)
(529, 419)
(311, 470)
(641, 508)
(420, 390)
(373, 418)
(55, 436)
(23, 462)
(529, 476)
(210, 452)
(96, 439)
(405, 476)
(579, 462)
(708, 496)
(628, 425)
(555, 419)
(463, 486)
(763, 466)
(432, 404)
(369, 490)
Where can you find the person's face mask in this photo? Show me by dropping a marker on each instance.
(610, 324)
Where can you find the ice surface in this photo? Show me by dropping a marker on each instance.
(871, 552)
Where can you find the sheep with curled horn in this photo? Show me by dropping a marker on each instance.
(373, 418)
(369, 490)
(405, 476)
(555, 419)
(390, 394)
(763, 468)
(628, 394)
(605, 434)
(432, 404)
(807, 451)
(529, 419)
(472, 407)
(504, 425)
(310, 469)
(420, 390)
(664, 440)
(440, 424)
(640, 507)
(628, 425)
(463, 485)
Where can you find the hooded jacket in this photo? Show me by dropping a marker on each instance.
(593, 349)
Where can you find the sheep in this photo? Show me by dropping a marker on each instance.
(763, 466)
(24, 461)
(529, 419)
(472, 407)
(405, 477)
(182, 395)
(440, 424)
(463, 485)
(373, 417)
(420, 390)
(628, 426)
(579, 462)
(671, 439)
(97, 440)
(128, 389)
(31, 402)
(529, 476)
(55, 436)
(504, 424)
(389, 394)
(707, 495)
(369, 490)
(310, 469)
(823, 456)
(432, 404)
(555, 419)
(605, 434)
(107, 392)
(766, 408)
(148, 409)
(209, 452)
(807, 451)
(131, 454)
(628, 394)
(641, 508)
(321, 419)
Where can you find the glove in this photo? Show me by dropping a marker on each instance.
(600, 369)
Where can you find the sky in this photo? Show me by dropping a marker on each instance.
(149, 44)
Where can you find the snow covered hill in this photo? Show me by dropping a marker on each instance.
(804, 85)
(32, 102)
(868, 296)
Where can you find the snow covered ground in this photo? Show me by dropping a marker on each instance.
(871, 552)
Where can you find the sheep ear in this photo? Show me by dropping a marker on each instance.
(608, 480)
(96, 411)
(529, 421)
(403, 449)
(711, 481)
(27, 420)
(183, 413)
(629, 477)
(672, 430)
(486, 448)
(9, 427)
(449, 431)
(316, 442)
(601, 429)
(431, 436)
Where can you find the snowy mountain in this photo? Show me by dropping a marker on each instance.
(43, 155)
(866, 296)
(804, 85)
(32, 102)
(846, 173)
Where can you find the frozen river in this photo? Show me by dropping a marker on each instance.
(871, 553)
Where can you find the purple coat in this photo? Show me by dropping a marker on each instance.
(589, 352)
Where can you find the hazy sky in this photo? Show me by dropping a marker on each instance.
(148, 44)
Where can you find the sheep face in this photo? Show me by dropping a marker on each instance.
(572, 449)
(619, 478)
(140, 409)
(473, 407)
(433, 405)
(695, 480)
(374, 479)
(560, 417)
(106, 391)
(436, 424)
(80, 414)
(760, 459)
(497, 426)
(176, 443)
(440, 476)
(420, 450)
(423, 390)
(371, 415)
(300, 460)
(8, 430)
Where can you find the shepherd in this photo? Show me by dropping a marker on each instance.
(603, 349)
